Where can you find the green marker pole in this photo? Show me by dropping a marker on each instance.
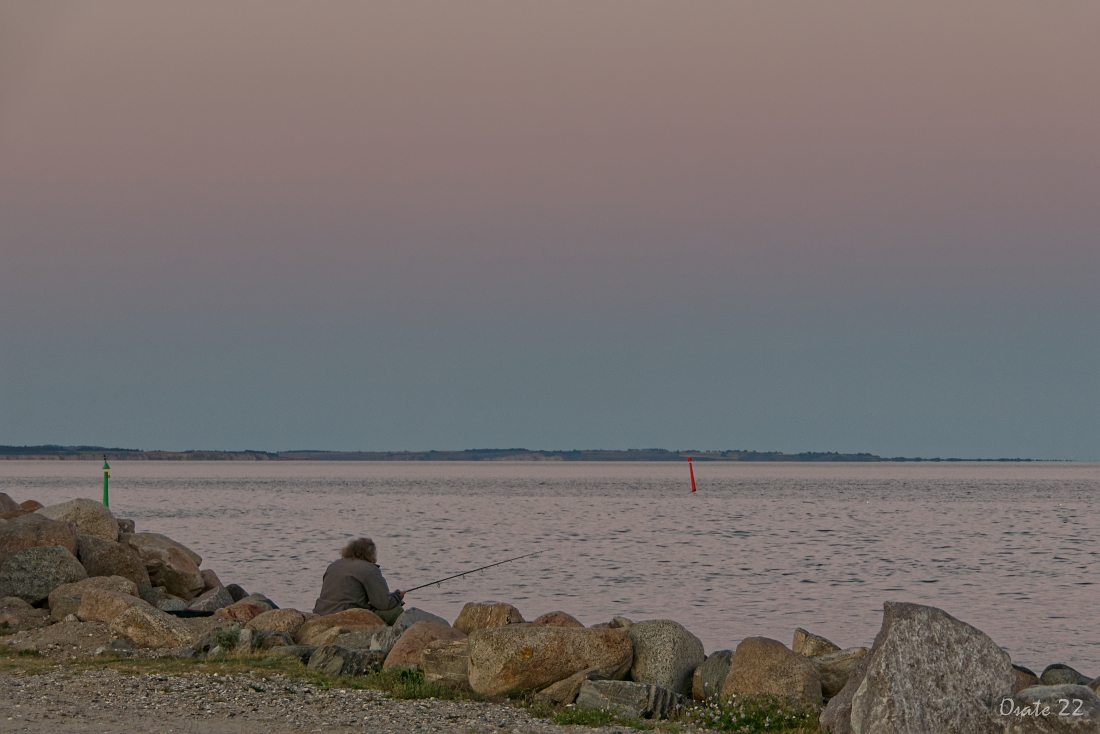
(106, 476)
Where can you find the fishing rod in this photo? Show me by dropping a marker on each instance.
(474, 570)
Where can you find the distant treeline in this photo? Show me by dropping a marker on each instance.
(87, 453)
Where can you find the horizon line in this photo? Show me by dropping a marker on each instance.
(12, 452)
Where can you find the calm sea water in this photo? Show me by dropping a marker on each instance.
(759, 550)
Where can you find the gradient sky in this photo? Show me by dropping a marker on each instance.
(844, 226)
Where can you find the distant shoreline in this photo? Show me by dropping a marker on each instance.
(96, 453)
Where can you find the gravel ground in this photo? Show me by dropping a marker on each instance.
(103, 700)
(69, 640)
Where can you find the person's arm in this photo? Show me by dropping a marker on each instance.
(378, 591)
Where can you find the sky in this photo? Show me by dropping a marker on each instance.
(798, 226)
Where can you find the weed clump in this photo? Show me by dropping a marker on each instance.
(226, 638)
(407, 683)
(750, 714)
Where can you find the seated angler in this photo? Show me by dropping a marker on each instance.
(355, 581)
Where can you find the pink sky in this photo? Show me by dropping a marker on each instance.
(453, 180)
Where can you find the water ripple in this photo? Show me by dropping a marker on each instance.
(759, 550)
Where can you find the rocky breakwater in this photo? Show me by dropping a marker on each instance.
(925, 672)
(75, 563)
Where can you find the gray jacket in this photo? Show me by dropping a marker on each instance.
(354, 583)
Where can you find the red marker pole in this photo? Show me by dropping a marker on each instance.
(692, 470)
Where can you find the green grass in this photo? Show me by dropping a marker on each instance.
(760, 714)
(587, 716)
(410, 683)
(593, 717)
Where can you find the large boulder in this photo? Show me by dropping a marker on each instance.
(101, 605)
(1061, 709)
(159, 597)
(619, 622)
(211, 601)
(707, 680)
(385, 638)
(148, 627)
(565, 692)
(1060, 674)
(483, 615)
(33, 530)
(108, 558)
(17, 615)
(7, 504)
(260, 599)
(172, 604)
(64, 606)
(371, 638)
(252, 639)
(359, 638)
(411, 645)
(236, 591)
(522, 658)
(557, 619)
(301, 653)
(13, 603)
(279, 620)
(87, 516)
(811, 645)
(210, 581)
(1026, 678)
(315, 626)
(240, 612)
(30, 505)
(32, 573)
(106, 583)
(178, 574)
(169, 563)
(447, 661)
(628, 698)
(336, 660)
(836, 718)
(65, 599)
(763, 665)
(412, 615)
(927, 671)
(665, 654)
(835, 668)
(148, 546)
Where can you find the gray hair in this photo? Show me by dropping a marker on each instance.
(362, 548)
